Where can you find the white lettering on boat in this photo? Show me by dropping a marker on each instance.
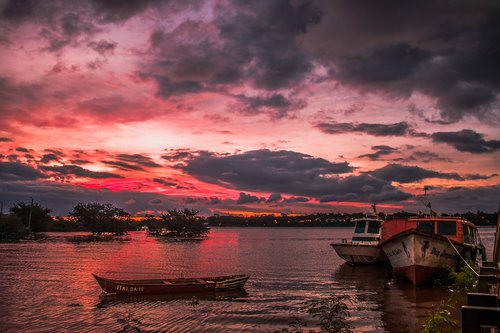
(129, 288)
(394, 252)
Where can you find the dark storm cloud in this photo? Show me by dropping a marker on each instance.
(71, 23)
(274, 197)
(104, 105)
(3, 139)
(245, 198)
(167, 88)
(62, 197)
(479, 177)
(462, 199)
(78, 161)
(164, 182)
(362, 188)
(156, 201)
(15, 171)
(295, 200)
(68, 31)
(381, 150)
(278, 105)
(16, 98)
(115, 11)
(267, 32)
(396, 129)
(103, 47)
(124, 165)
(467, 140)
(177, 155)
(408, 174)
(290, 173)
(383, 67)
(47, 158)
(251, 42)
(75, 170)
(22, 150)
(138, 159)
(54, 151)
(425, 156)
(445, 50)
(261, 167)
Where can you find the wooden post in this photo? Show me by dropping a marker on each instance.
(496, 247)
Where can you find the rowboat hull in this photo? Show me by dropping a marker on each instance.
(418, 255)
(359, 254)
(171, 286)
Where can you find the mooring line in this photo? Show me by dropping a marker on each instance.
(465, 261)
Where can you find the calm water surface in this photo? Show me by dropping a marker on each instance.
(47, 286)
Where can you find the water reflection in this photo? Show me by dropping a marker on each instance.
(193, 298)
(48, 286)
(387, 303)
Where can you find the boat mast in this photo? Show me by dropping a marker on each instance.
(427, 203)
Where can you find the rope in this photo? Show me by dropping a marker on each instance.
(465, 261)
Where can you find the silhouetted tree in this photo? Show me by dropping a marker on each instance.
(184, 222)
(40, 216)
(152, 222)
(99, 218)
(11, 227)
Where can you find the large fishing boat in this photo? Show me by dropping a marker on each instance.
(175, 285)
(364, 245)
(418, 246)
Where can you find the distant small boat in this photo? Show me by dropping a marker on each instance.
(175, 285)
(363, 248)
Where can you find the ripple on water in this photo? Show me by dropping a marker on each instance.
(47, 286)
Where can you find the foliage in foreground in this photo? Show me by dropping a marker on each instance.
(463, 279)
(440, 320)
(330, 312)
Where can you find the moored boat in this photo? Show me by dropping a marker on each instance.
(418, 246)
(175, 285)
(363, 247)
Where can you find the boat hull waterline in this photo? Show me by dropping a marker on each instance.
(359, 254)
(418, 255)
(171, 286)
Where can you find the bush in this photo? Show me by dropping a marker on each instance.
(440, 321)
(12, 228)
(331, 313)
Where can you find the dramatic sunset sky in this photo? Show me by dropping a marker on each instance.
(250, 106)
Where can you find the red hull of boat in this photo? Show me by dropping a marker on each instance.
(171, 286)
(417, 274)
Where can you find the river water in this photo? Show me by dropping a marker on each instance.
(48, 287)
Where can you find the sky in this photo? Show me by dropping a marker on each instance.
(242, 107)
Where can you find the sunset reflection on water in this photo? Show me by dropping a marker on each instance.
(48, 286)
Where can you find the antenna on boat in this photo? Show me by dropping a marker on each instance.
(374, 207)
(427, 202)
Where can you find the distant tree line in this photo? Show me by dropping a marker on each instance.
(326, 220)
(26, 219)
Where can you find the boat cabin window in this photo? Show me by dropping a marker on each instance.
(448, 228)
(373, 227)
(469, 235)
(427, 227)
(360, 227)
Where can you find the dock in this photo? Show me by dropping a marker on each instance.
(482, 312)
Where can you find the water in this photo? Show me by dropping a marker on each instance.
(47, 286)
